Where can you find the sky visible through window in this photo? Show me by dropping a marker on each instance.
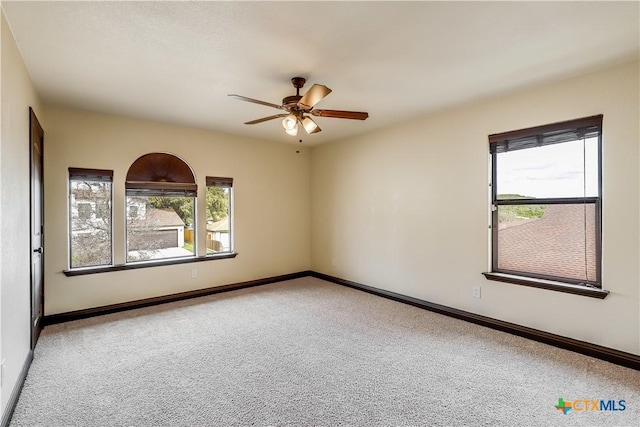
(556, 170)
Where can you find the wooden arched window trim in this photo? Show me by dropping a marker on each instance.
(160, 174)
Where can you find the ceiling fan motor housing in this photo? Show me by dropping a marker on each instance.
(291, 102)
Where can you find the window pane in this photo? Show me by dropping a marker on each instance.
(90, 207)
(552, 240)
(159, 227)
(218, 219)
(568, 169)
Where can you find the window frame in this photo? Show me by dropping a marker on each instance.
(160, 174)
(221, 182)
(142, 178)
(97, 175)
(500, 141)
(157, 193)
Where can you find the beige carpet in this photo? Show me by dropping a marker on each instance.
(307, 352)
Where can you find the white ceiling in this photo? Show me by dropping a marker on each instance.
(177, 61)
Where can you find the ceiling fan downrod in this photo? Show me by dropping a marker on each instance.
(298, 83)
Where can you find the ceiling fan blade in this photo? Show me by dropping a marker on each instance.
(339, 114)
(313, 96)
(264, 119)
(256, 101)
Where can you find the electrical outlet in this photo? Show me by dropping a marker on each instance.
(476, 292)
(194, 273)
(2, 371)
(333, 262)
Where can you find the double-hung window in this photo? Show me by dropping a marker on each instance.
(546, 202)
(219, 219)
(90, 225)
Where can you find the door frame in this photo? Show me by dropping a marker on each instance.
(35, 131)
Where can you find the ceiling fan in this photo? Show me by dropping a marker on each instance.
(299, 107)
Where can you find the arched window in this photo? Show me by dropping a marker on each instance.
(161, 191)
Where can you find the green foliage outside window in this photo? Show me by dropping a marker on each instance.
(217, 201)
(508, 213)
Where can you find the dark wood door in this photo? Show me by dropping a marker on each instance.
(36, 136)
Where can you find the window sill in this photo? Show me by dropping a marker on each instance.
(145, 264)
(548, 284)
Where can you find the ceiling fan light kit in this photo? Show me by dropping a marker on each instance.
(289, 122)
(297, 106)
(293, 131)
(310, 126)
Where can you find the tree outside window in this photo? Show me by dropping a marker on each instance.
(219, 221)
(90, 195)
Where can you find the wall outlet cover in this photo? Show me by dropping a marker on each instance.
(476, 292)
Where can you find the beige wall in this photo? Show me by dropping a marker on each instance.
(17, 96)
(407, 209)
(271, 205)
